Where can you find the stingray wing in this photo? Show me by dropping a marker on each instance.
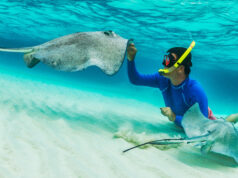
(223, 137)
(80, 50)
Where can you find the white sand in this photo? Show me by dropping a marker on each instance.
(53, 131)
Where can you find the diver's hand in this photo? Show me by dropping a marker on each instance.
(167, 111)
(131, 52)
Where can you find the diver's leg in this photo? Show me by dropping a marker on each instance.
(232, 118)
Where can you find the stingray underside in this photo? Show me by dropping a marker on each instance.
(74, 52)
(30, 60)
(223, 137)
(80, 50)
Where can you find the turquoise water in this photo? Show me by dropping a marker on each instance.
(39, 105)
(154, 25)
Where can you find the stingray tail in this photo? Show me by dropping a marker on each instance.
(17, 50)
(29, 59)
(158, 142)
(169, 141)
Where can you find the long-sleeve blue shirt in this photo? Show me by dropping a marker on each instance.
(179, 98)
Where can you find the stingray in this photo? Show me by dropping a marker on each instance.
(217, 136)
(222, 137)
(77, 51)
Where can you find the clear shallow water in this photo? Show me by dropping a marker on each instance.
(154, 25)
(45, 112)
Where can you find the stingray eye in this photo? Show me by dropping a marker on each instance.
(107, 33)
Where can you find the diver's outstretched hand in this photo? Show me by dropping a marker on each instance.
(131, 52)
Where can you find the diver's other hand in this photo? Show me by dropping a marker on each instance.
(131, 52)
(167, 111)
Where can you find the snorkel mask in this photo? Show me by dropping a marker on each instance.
(169, 60)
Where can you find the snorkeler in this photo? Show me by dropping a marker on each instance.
(178, 90)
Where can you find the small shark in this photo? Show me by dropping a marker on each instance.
(218, 136)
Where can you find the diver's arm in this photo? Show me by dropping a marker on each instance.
(201, 99)
(178, 120)
(167, 111)
(135, 77)
(140, 79)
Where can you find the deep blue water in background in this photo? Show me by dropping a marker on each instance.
(155, 27)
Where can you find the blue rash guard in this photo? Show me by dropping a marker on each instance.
(179, 98)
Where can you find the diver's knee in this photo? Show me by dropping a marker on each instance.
(232, 118)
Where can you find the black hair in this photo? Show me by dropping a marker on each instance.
(187, 62)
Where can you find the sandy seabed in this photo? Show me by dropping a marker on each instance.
(48, 130)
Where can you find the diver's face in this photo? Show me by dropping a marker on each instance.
(175, 56)
(171, 74)
(169, 60)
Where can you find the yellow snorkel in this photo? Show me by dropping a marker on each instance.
(176, 65)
